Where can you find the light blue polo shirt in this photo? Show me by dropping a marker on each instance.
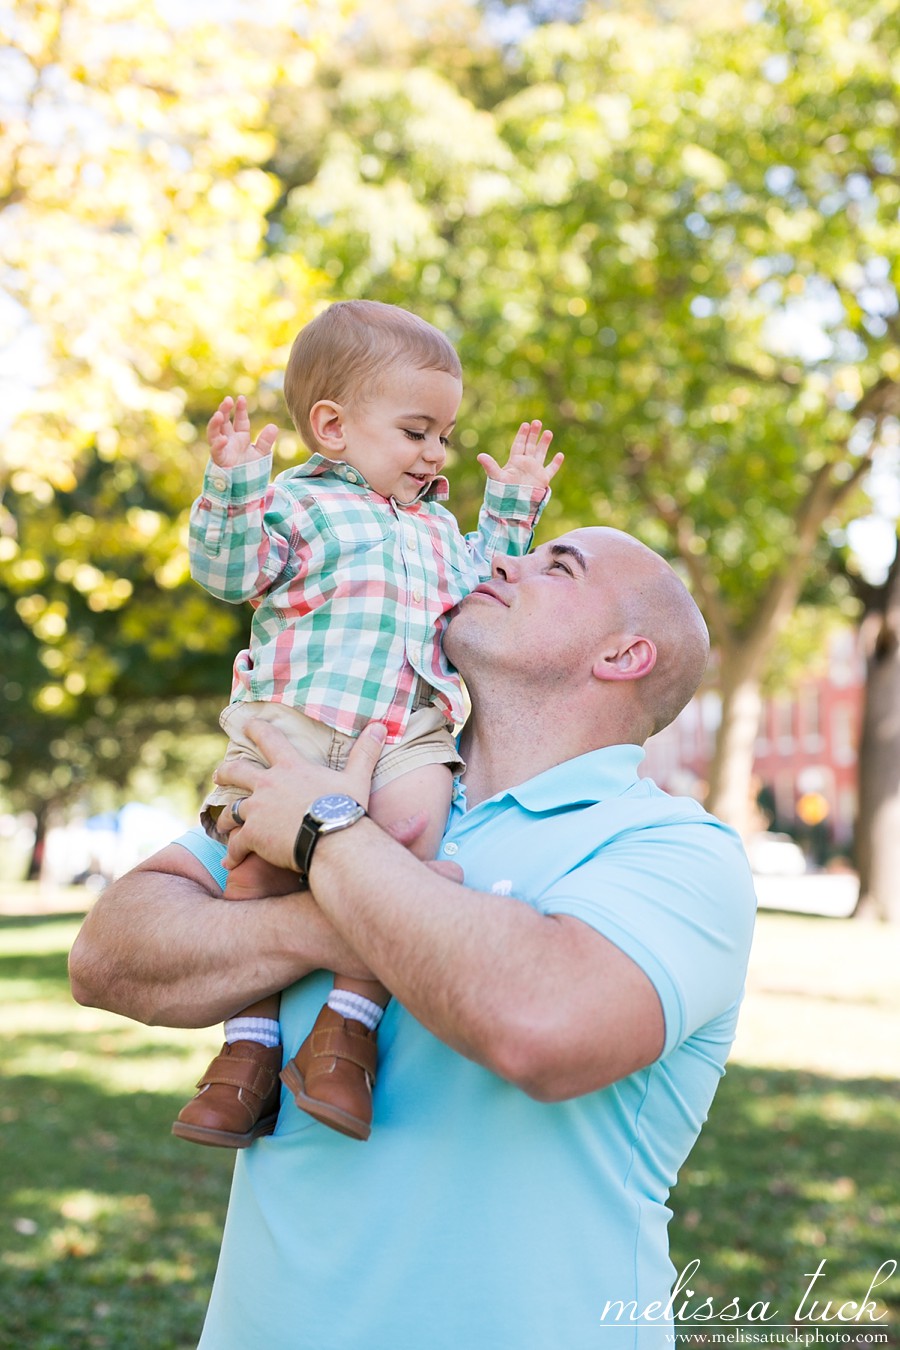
(475, 1216)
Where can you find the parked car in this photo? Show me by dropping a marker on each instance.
(775, 855)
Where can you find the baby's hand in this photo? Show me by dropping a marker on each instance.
(228, 434)
(526, 459)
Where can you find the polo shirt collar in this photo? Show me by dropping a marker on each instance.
(591, 778)
(319, 465)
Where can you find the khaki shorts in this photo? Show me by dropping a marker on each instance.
(427, 740)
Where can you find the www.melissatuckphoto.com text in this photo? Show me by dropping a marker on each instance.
(786, 1335)
(818, 1315)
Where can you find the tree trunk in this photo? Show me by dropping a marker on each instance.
(878, 821)
(36, 861)
(731, 772)
(742, 662)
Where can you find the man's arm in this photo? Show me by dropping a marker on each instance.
(163, 947)
(543, 1001)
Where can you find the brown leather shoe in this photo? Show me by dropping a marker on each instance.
(333, 1073)
(238, 1098)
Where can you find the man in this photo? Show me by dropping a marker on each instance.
(559, 1022)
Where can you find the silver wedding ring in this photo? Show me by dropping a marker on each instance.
(236, 811)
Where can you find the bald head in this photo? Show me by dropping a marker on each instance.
(648, 599)
(591, 637)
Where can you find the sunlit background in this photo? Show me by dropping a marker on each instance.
(668, 230)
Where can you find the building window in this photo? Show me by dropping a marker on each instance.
(845, 816)
(785, 799)
(843, 734)
(783, 723)
(846, 666)
(810, 714)
(710, 718)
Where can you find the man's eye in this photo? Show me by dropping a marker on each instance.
(557, 562)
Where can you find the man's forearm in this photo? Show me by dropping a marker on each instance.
(543, 1001)
(162, 946)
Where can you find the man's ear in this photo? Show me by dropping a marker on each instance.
(327, 421)
(625, 658)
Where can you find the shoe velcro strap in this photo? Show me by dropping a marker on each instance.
(338, 1043)
(239, 1073)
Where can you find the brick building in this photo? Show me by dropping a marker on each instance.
(806, 748)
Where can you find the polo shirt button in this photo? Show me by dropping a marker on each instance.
(410, 539)
(352, 478)
(417, 596)
(451, 848)
(220, 484)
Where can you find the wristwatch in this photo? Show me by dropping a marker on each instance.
(337, 811)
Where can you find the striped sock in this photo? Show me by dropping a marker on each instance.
(355, 1006)
(263, 1030)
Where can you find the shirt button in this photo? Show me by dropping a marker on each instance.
(417, 596)
(352, 478)
(410, 539)
(220, 484)
(451, 848)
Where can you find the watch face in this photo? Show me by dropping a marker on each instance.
(336, 806)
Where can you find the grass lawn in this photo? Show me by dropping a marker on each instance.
(109, 1227)
(800, 1161)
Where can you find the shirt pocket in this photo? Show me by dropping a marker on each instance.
(353, 525)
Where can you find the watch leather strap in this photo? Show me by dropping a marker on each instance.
(304, 845)
(308, 836)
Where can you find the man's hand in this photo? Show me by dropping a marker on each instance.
(279, 797)
(525, 465)
(228, 434)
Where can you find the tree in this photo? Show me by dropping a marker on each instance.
(133, 200)
(878, 832)
(676, 244)
(673, 239)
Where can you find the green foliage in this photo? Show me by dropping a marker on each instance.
(109, 641)
(670, 236)
(627, 246)
(132, 261)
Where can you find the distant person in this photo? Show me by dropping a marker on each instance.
(559, 1024)
(352, 567)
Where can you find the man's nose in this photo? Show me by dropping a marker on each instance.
(506, 568)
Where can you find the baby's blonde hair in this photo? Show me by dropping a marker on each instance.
(342, 354)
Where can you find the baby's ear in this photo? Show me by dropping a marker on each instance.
(327, 421)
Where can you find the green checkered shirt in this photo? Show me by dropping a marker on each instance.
(351, 591)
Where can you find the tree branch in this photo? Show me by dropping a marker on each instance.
(683, 532)
(16, 191)
(825, 495)
(789, 376)
(882, 400)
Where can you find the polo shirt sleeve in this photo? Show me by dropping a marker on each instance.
(209, 852)
(679, 901)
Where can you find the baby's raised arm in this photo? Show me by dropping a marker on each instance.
(228, 434)
(240, 524)
(525, 464)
